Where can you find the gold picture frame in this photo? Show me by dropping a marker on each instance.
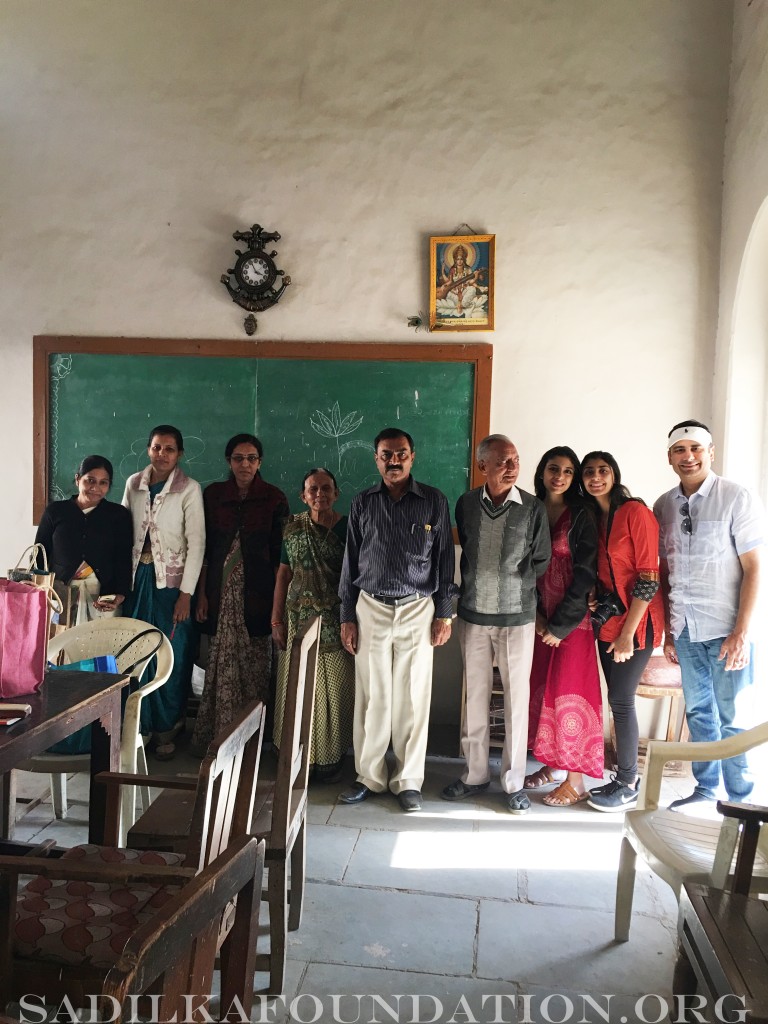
(461, 282)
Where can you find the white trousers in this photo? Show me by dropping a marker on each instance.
(512, 647)
(393, 687)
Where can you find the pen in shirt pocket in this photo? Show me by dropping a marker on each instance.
(417, 526)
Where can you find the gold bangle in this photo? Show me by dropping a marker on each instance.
(448, 621)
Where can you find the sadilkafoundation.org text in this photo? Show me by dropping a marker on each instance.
(306, 1008)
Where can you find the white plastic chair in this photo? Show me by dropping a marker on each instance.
(107, 636)
(678, 847)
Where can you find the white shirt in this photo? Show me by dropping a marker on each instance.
(705, 573)
(512, 495)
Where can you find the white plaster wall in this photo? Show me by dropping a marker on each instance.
(741, 388)
(586, 135)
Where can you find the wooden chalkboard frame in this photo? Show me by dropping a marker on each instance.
(480, 355)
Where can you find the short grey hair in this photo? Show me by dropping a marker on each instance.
(483, 450)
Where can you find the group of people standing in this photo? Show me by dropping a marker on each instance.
(171, 554)
(542, 575)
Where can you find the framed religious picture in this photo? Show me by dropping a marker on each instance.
(461, 271)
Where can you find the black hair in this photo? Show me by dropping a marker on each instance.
(95, 462)
(233, 442)
(689, 423)
(575, 494)
(619, 493)
(317, 469)
(166, 428)
(390, 432)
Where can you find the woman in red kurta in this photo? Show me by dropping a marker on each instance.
(630, 627)
(565, 722)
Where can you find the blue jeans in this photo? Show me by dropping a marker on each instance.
(711, 708)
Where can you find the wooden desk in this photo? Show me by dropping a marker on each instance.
(62, 706)
(724, 937)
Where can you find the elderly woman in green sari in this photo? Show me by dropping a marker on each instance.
(306, 586)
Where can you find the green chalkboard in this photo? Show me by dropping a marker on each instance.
(311, 405)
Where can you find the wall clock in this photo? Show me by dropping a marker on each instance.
(251, 282)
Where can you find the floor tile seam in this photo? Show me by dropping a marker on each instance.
(340, 827)
(607, 911)
(523, 986)
(392, 969)
(378, 829)
(471, 898)
(351, 854)
(37, 831)
(476, 940)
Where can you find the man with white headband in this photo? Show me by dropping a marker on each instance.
(712, 532)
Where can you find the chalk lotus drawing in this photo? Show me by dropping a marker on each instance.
(336, 426)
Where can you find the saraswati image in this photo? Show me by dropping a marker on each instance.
(461, 292)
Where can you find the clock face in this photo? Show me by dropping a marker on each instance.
(255, 270)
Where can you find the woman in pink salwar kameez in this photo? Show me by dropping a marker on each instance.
(565, 729)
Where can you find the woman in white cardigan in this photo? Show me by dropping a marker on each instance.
(168, 545)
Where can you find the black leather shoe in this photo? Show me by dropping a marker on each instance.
(409, 800)
(356, 794)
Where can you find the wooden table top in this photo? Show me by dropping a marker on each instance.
(64, 702)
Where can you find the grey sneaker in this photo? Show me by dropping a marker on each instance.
(518, 803)
(614, 796)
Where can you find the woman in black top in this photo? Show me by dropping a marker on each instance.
(88, 542)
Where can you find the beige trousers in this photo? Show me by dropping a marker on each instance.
(393, 687)
(512, 647)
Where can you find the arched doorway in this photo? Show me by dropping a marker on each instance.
(745, 449)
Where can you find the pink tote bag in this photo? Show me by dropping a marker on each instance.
(23, 638)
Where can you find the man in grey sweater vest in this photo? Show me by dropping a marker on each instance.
(505, 547)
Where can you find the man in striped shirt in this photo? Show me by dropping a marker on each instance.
(396, 586)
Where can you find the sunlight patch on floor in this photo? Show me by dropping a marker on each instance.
(531, 849)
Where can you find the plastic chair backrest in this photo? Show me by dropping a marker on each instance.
(104, 636)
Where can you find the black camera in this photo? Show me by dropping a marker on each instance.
(608, 605)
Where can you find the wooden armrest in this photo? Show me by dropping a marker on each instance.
(156, 781)
(746, 812)
(88, 871)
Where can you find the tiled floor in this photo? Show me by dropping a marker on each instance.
(482, 915)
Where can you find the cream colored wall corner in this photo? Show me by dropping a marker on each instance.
(741, 379)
